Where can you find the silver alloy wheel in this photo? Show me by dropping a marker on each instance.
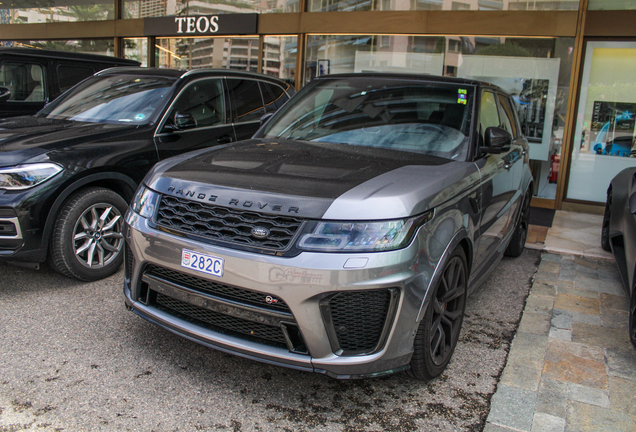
(97, 237)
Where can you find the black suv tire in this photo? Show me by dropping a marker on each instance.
(87, 241)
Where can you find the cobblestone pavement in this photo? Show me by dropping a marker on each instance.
(571, 366)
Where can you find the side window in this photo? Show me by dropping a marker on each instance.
(489, 114)
(273, 96)
(68, 75)
(203, 100)
(25, 81)
(247, 102)
(507, 116)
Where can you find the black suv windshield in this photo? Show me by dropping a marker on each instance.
(112, 99)
(407, 115)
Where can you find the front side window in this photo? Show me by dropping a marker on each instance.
(203, 100)
(413, 116)
(25, 81)
(118, 99)
(489, 114)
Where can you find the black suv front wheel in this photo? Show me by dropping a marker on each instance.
(87, 241)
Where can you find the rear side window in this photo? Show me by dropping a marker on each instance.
(68, 75)
(247, 102)
(25, 81)
(273, 96)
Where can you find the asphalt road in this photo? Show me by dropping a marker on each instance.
(73, 359)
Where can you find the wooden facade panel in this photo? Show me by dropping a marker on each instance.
(278, 24)
(610, 23)
(68, 30)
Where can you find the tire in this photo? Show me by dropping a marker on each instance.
(605, 240)
(632, 318)
(518, 240)
(87, 241)
(438, 332)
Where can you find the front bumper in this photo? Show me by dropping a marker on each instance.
(312, 338)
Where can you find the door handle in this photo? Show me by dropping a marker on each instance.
(224, 139)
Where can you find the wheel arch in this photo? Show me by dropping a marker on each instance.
(120, 183)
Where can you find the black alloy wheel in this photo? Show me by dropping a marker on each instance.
(605, 240)
(87, 241)
(518, 240)
(438, 332)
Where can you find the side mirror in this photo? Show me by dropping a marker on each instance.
(5, 94)
(266, 117)
(497, 140)
(184, 120)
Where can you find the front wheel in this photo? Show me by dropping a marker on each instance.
(87, 240)
(438, 332)
(632, 318)
(605, 241)
(518, 241)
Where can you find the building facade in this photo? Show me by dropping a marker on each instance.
(566, 62)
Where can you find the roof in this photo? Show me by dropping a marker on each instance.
(35, 52)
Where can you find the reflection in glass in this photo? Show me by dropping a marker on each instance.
(535, 71)
(162, 8)
(89, 46)
(196, 53)
(279, 58)
(136, 49)
(30, 11)
(405, 5)
(611, 5)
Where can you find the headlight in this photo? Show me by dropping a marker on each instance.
(27, 176)
(362, 236)
(145, 202)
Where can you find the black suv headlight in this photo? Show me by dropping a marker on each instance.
(330, 236)
(27, 176)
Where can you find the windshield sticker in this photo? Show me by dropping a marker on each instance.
(462, 96)
(140, 117)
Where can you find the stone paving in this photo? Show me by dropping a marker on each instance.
(571, 366)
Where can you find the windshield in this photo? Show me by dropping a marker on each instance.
(414, 116)
(119, 99)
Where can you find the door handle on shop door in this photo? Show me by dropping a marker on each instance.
(224, 139)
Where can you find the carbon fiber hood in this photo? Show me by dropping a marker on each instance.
(309, 179)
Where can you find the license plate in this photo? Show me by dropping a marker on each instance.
(201, 262)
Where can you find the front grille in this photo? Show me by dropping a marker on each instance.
(222, 323)
(224, 291)
(358, 318)
(228, 225)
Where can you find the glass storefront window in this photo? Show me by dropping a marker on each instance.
(279, 58)
(136, 49)
(535, 71)
(30, 12)
(194, 53)
(163, 8)
(409, 5)
(611, 5)
(604, 134)
(89, 46)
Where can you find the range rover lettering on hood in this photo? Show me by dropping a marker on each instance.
(232, 201)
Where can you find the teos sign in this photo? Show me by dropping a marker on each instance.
(203, 25)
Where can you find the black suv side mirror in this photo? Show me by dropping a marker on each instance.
(5, 94)
(184, 120)
(498, 140)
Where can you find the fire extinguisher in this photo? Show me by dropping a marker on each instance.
(554, 167)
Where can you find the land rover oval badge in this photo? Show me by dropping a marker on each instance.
(260, 232)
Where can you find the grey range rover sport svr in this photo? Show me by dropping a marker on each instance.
(345, 236)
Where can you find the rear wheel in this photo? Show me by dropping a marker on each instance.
(518, 241)
(438, 332)
(632, 318)
(605, 241)
(87, 241)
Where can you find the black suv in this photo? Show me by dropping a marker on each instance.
(67, 173)
(30, 78)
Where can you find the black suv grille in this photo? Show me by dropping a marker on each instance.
(222, 323)
(227, 225)
(359, 318)
(224, 291)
